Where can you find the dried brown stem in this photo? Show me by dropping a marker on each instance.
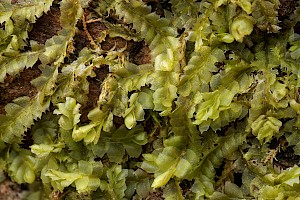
(87, 33)
(93, 20)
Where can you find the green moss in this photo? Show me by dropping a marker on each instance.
(214, 107)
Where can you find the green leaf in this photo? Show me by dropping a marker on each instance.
(173, 191)
(70, 113)
(43, 150)
(265, 128)
(232, 190)
(82, 179)
(20, 116)
(17, 63)
(245, 5)
(116, 182)
(163, 178)
(4, 16)
(22, 168)
(116, 152)
(83, 131)
(60, 180)
(240, 27)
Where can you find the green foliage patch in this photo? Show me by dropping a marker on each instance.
(215, 113)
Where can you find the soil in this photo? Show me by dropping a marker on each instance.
(46, 26)
(157, 195)
(94, 92)
(138, 53)
(18, 86)
(286, 8)
(9, 190)
(286, 156)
